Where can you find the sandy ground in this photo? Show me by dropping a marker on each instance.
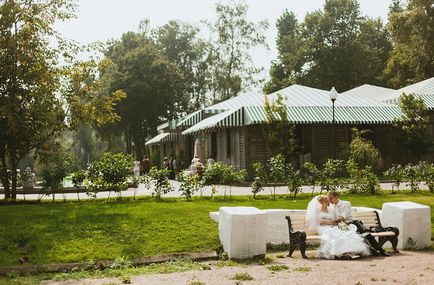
(403, 268)
(221, 190)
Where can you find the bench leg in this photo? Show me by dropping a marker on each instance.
(393, 240)
(297, 239)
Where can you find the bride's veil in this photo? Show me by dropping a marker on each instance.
(312, 214)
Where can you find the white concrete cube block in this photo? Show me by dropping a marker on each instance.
(413, 221)
(277, 225)
(242, 231)
(214, 216)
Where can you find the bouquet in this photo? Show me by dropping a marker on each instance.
(343, 226)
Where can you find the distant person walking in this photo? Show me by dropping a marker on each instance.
(145, 165)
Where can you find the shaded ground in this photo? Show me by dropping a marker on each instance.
(403, 268)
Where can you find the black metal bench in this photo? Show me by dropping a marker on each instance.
(298, 233)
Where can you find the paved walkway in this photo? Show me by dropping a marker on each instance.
(221, 190)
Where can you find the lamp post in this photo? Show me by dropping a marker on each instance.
(333, 96)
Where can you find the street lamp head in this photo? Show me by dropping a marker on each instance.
(333, 94)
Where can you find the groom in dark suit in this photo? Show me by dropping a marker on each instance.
(343, 214)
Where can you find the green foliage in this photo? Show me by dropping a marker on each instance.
(363, 151)
(242, 276)
(396, 173)
(277, 169)
(160, 181)
(233, 37)
(44, 88)
(277, 172)
(260, 178)
(294, 180)
(362, 179)
(316, 52)
(411, 28)
(214, 174)
(412, 174)
(426, 171)
(414, 123)
(142, 70)
(54, 171)
(190, 184)
(78, 178)
(110, 173)
(333, 169)
(279, 133)
(310, 175)
(277, 267)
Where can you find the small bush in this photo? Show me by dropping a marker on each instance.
(242, 276)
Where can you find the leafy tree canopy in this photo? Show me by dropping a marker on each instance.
(336, 46)
(411, 26)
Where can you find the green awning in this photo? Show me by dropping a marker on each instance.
(161, 138)
(231, 118)
(324, 114)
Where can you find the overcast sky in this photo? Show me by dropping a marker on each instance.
(100, 20)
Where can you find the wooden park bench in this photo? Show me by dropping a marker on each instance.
(298, 233)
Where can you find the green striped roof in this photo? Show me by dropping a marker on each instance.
(225, 119)
(324, 114)
(250, 115)
(162, 137)
(423, 89)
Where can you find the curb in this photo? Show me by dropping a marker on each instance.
(99, 265)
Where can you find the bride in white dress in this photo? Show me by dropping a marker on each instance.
(335, 241)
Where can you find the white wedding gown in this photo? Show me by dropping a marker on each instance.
(337, 243)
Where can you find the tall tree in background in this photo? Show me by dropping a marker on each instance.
(233, 38)
(414, 123)
(39, 97)
(412, 29)
(180, 43)
(153, 84)
(333, 47)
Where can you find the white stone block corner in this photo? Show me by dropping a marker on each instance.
(413, 221)
(242, 231)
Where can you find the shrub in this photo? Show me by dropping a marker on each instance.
(260, 178)
(277, 171)
(426, 171)
(412, 173)
(362, 151)
(189, 184)
(78, 178)
(160, 180)
(294, 180)
(53, 172)
(332, 170)
(395, 173)
(310, 175)
(110, 173)
(362, 180)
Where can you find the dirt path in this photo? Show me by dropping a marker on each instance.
(403, 268)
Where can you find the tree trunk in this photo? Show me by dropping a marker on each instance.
(14, 165)
(4, 176)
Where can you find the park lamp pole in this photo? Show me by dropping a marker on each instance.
(333, 96)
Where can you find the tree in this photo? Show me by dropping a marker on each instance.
(362, 151)
(412, 30)
(335, 46)
(180, 43)
(233, 38)
(40, 97)
(153, 85)
(414, 123)
(279, 132)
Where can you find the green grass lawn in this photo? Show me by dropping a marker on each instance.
(105, 230)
